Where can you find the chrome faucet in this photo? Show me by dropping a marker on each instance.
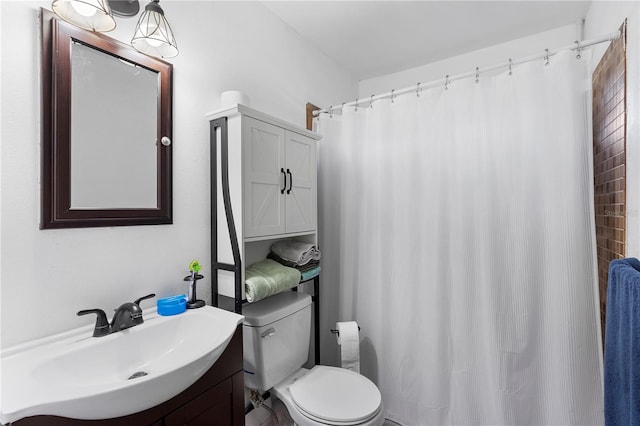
(127, 315)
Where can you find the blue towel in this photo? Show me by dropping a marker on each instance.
(311, 273)
(622, 344)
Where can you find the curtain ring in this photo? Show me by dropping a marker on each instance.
(392, 90)
(477, 75)
(418, 90)
(371, 102)
(578, 49)
(446, 82)
(546, 57)
(510, 65)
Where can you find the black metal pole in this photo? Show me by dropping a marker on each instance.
(235, 248)
(316, 297)
(214, 212)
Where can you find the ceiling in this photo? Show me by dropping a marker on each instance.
(373, 38)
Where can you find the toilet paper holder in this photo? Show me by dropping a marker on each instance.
(334, 331)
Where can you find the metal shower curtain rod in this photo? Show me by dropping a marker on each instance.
(577, 46)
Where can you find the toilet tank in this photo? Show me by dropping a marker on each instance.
(276, 333)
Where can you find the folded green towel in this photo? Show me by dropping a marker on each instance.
(268, 277)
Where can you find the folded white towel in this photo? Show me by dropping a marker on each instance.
(296, 251)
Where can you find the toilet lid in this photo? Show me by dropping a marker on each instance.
(336, 395)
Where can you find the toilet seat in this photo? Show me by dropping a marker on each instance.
(336, 396)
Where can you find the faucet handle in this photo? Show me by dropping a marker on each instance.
(102, 323)
(148, 296)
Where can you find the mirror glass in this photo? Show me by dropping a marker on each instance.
(106, 131)
(113, 150)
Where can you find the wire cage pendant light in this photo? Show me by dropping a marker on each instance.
(153, 35)
(93, 15)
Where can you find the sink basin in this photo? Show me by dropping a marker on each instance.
(78, 376)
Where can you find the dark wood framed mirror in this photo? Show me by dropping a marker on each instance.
(106, 131)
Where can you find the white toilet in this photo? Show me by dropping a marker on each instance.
(276, 333)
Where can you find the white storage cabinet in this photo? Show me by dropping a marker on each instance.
(272, 186)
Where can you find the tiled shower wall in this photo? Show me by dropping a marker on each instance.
(609, 143)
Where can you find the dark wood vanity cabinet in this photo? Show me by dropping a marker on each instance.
(217, 398)
(214, 407)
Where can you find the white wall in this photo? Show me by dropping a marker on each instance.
(47, 276)
(604, 17)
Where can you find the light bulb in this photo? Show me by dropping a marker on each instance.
(154, 34)
(153, 42)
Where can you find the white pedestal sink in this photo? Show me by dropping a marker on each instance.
(78, 376)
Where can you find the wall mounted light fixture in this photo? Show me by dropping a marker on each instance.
(93, 15)
(153, 35)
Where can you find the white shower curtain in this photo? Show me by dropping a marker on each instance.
(456, 228)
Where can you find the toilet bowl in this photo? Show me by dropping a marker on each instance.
(330, 396)
(276, 334)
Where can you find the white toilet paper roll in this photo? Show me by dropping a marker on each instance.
(349, 340)
(233, 97)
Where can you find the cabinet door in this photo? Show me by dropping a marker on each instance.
(300, 201)
(263, 146)
(214, 407)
